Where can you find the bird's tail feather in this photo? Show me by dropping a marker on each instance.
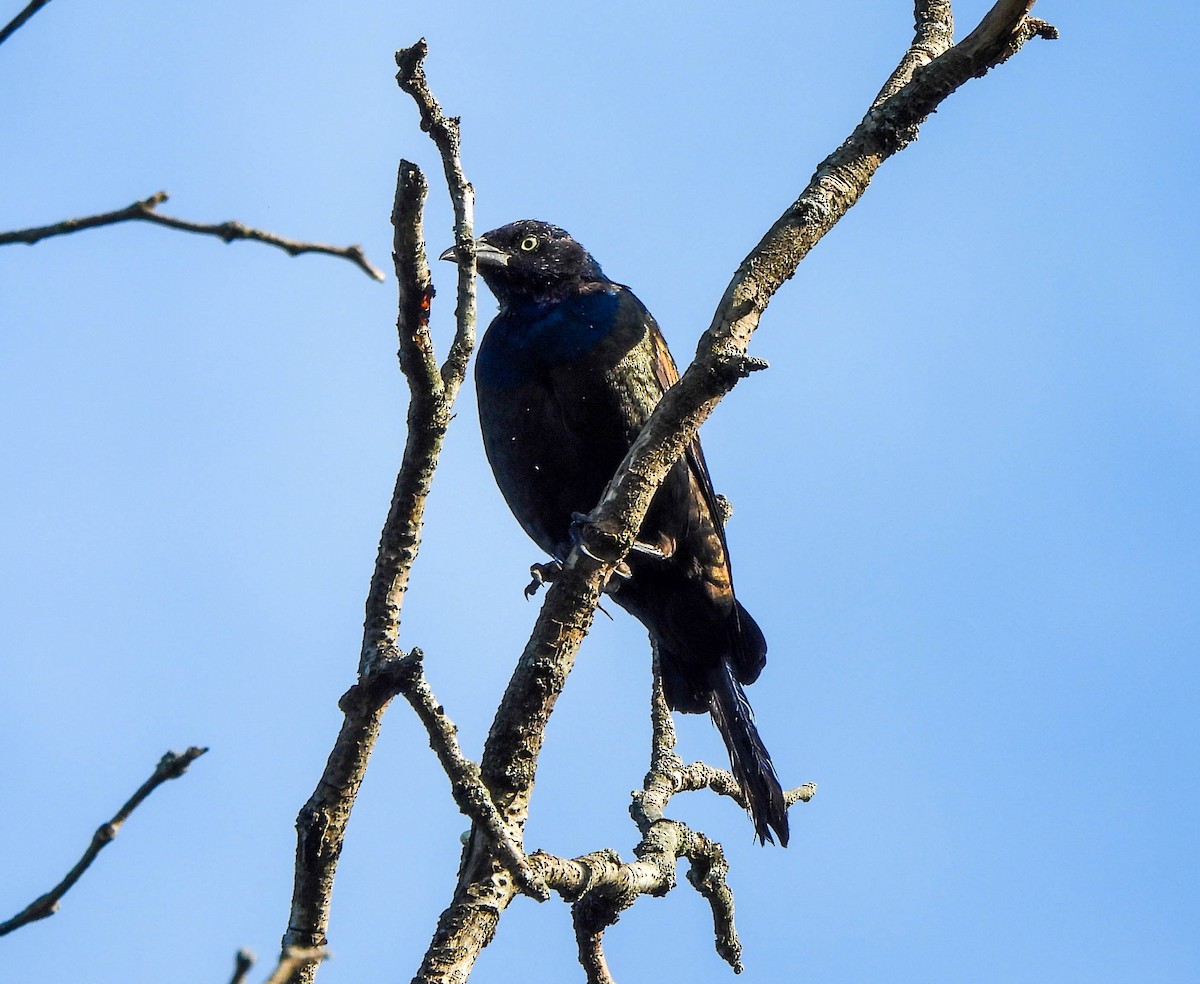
(749, 758)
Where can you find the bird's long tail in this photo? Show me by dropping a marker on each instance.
(749, 758)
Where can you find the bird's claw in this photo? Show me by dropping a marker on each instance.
(659, 551)
(616, 578)
(541, 574)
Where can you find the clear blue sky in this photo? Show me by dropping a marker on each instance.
(966, 492)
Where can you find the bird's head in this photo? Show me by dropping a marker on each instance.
(531, 260)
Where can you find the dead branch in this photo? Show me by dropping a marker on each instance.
(444, 130)
(928, 73)
(146, 210)
(469, 792)
(295, 959)
(170, 766)
(384, 671)
(17, 22)
(242, 963)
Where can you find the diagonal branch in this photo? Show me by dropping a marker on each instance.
(510, 756)
(469, 792)
(170, 766)
(933, 33)
(835, 187)
(146, 210)
(18, 22)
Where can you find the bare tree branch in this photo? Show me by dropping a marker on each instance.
(17, 22)
(241, 966)
(170, 766)
(295, 959)
(469, 792)
(837, 184)
(445, 133)
(698, 775)
(383, 671)
(321, 823)
(933, 33)
(146, 211)
(707, 874)
(510, 756)
(590, 940)
(600, 887)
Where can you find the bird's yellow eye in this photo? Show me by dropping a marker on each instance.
(529, 244)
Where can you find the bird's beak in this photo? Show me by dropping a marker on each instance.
(485, 254)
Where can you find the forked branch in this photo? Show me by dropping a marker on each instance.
(384, 671)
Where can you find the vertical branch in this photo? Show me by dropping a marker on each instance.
(383, 671)
(321, 825)
(428, 417)
(445, 132)
(589, 938)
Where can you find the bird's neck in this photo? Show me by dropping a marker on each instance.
(549, 330)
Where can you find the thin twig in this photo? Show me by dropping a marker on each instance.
(170, 766)
(405, 676)
(698, 775)
(600, 886)
(414, 284)
(294, 959)
(446, 135)
(146, 210)
(241, 966)
(468, 789)
(17, 22)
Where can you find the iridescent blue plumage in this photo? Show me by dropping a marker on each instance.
(566, 375)
(536, 335)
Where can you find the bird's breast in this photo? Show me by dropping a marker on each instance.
(525, 343)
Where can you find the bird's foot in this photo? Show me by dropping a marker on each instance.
(620, 574)
(541, 574)
(661, 550)
(575, 531)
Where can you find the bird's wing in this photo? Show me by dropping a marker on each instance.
(668, 376)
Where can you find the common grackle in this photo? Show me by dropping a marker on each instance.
(567, 374)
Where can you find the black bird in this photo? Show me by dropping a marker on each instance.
(567, 374)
